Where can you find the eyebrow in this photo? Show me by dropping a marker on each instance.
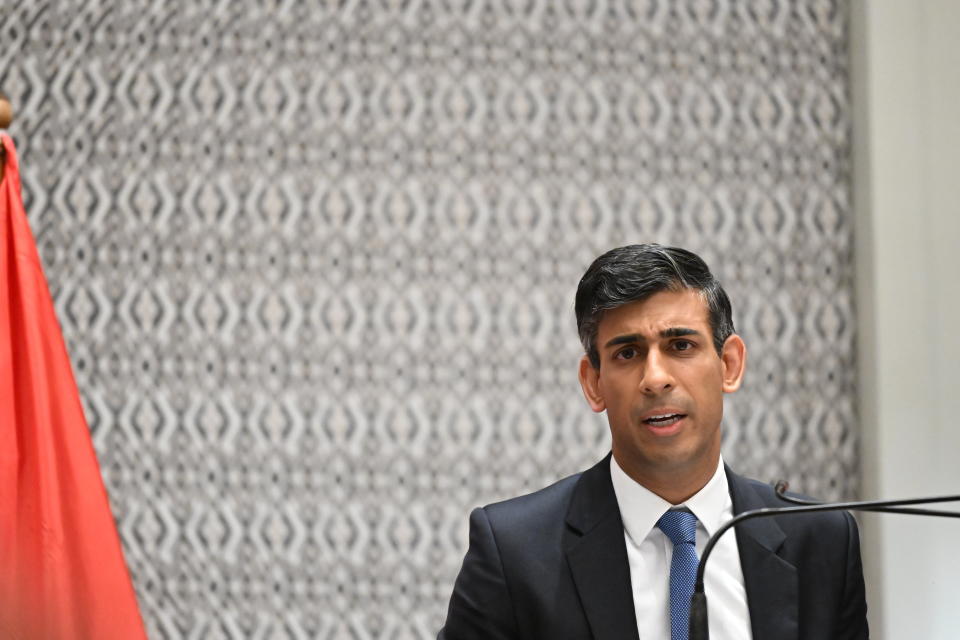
(672, 332)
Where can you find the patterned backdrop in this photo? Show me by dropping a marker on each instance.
(315, 265)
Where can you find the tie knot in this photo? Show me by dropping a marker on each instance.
(680, 526)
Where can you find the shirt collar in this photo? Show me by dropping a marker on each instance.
(640, 508)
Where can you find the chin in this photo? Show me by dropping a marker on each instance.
(670, 458)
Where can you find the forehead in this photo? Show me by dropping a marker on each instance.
(665, 309)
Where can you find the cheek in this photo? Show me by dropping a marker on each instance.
(706, 390)
(616, 392)
(711, 396)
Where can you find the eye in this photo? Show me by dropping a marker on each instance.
(626, 354)
(683, 345)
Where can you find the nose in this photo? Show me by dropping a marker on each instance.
(657, 377)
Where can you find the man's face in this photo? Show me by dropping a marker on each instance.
(661, 383)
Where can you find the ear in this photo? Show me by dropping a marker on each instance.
(590, 383)
(734, 361)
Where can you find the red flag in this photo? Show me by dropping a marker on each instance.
(62, 573)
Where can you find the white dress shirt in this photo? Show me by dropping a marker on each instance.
(650, 551)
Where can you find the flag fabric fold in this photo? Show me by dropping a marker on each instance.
(62, 571)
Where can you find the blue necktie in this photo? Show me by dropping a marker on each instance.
(681, 528)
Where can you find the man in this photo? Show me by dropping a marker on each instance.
(608, 553)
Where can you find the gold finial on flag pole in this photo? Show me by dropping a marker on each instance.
(6, 111)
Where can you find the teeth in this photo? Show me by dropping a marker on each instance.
(667, 417)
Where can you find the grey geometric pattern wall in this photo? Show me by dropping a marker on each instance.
(315, 266)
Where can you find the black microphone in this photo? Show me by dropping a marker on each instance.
(699, 629)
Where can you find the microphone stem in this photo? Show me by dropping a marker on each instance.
(699, 628)
(863, 505)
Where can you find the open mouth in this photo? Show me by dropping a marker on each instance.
(664, 420)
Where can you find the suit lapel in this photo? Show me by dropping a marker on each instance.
(771, 582)
(597, 555)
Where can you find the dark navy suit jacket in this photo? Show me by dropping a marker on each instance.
(553, 565)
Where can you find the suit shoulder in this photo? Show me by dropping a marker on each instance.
(536, 508)
(822, 522)
(767, 493)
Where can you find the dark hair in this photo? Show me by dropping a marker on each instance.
(638, 271)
